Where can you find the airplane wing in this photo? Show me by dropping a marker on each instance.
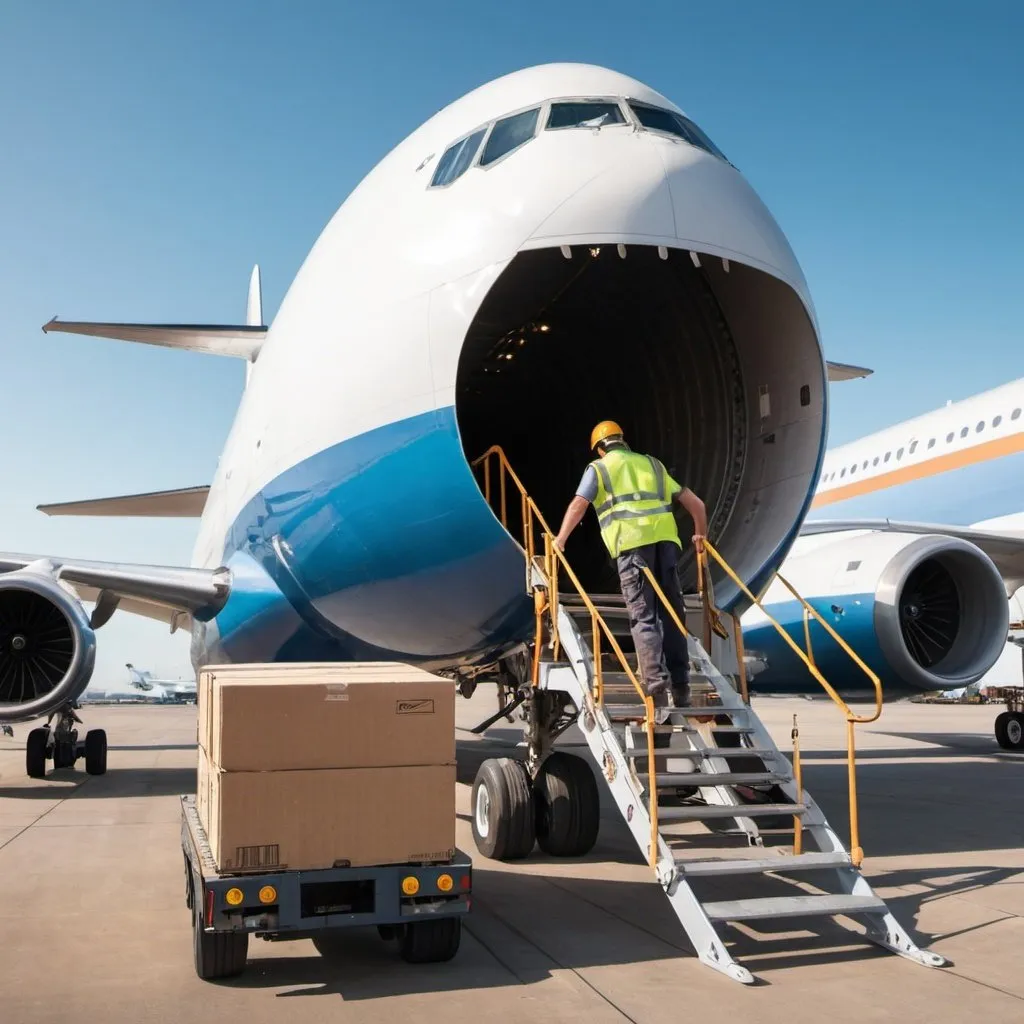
(846, 371)
(242, 341)
(187, 502)
(167, 593)
(1005, 549)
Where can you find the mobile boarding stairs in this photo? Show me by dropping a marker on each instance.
(667, 767)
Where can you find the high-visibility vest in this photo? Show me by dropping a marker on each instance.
(633, 503)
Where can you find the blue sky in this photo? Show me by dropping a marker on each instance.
(150, 154)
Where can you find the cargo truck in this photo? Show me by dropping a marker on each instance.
(325, 799)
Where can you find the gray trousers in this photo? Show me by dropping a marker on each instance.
(661, 649)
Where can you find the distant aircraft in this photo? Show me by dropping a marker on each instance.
(559, 246)
(172, 689)
(922, 572)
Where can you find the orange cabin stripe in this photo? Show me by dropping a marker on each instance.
(932, 467)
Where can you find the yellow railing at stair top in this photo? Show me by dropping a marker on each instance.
(809, 612)
(546, 605)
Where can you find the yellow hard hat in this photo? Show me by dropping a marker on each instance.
(604, 430)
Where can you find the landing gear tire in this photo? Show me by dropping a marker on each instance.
(568, 806)
(35, 754)
(96, 752)
(63, 753)
(1010, 730)
(430, 942)
(217, 954)
(504, 825)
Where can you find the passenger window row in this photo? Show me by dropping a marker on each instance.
(508, 134)
(979, 427)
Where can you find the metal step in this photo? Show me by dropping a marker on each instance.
(762, 753)
(705, 780)
(700, 812)
(792, 906)
(798, 862)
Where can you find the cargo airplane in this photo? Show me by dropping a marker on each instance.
(914, 552)
(168, 689)
(478, 288)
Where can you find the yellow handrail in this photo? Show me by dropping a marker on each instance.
(856, 851)
(554, 559)
(809, 609)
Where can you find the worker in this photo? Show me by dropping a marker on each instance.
(633, 496)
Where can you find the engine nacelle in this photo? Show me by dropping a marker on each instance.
(924, 612)
(47, 646)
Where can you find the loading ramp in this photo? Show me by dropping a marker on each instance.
(712, 763)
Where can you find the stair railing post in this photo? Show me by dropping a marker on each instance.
(856, 852)
(798, 837)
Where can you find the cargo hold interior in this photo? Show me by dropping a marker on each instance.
(688, 359)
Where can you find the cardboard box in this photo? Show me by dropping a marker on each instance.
(288, 717)
(304, 820)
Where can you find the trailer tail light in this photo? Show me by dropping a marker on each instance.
(410, 885)
(234, 897)
(268, 894)
(464, 882)
(209, 908)
(445, 883)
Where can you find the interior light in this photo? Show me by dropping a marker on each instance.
(410, 885)
(545, 328)
(596, 251)
(234, 896)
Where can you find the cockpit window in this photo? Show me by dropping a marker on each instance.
(508, 134)
(584, 115)
(674, 124)
(456, 158)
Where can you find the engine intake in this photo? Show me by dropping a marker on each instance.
(941, 613)
(47, 647)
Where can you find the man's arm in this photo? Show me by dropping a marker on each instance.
(573, 517)
(698, 513)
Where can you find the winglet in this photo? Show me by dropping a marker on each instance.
(254, 307)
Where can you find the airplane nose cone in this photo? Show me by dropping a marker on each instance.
(662, 191)
(627, 197)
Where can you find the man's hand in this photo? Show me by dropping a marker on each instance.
(573, 515)
(698, 543)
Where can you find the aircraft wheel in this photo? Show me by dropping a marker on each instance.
(1010, 730)
(568, 806)
(63, 754)
(35, 754)
(96, 752)
(503, 814)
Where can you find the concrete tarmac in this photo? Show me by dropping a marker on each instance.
(93, 924)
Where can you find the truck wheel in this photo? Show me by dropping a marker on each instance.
(96, 752)
(568, 806)
(217, 954)
(1010, 730)
(503, 814)
(430, 942)
(35, 754)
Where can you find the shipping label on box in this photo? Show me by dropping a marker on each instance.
(389, 716)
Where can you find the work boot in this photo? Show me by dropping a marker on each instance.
(681, 695)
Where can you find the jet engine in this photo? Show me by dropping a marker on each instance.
(925, 612)
(47, 646)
